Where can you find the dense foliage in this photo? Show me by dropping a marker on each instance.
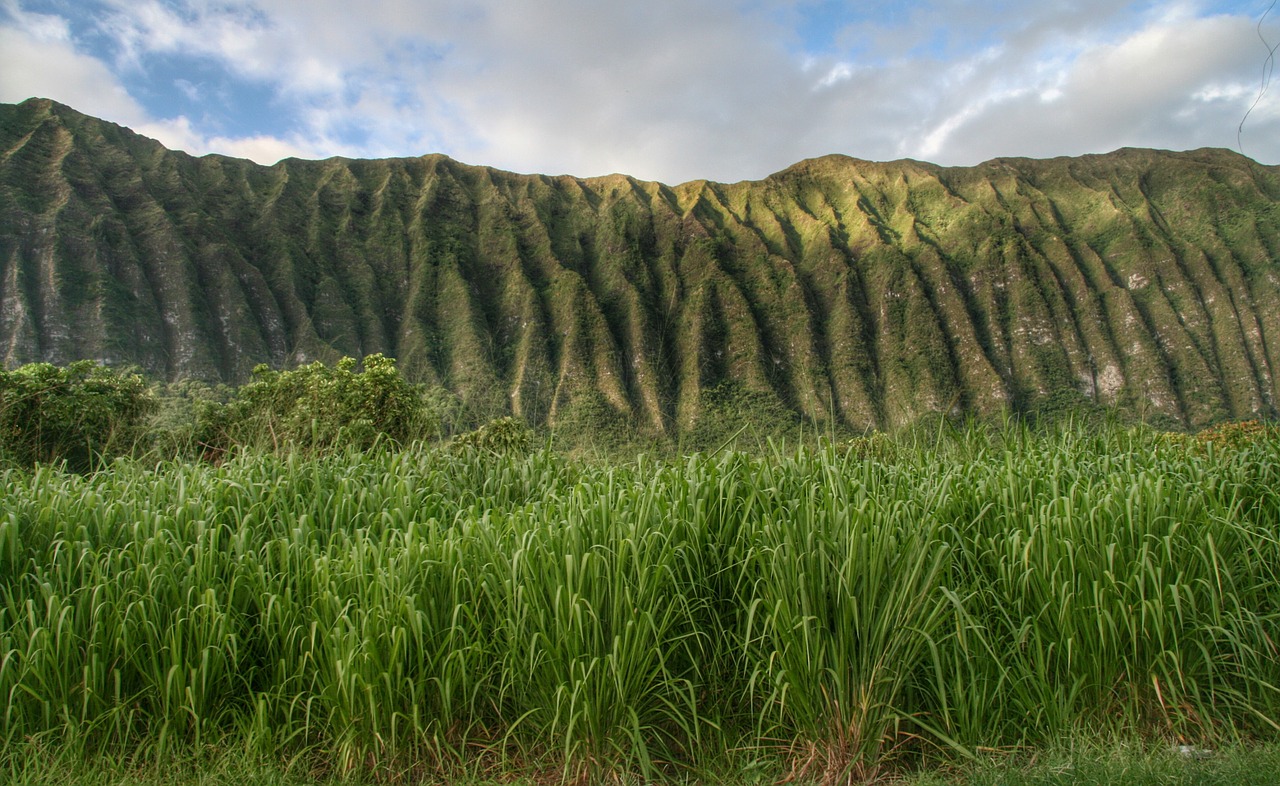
(86, 413)
(81, 414)
(844, 609)
(499, 437)
(317, 408)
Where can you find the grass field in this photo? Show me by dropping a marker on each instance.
(821, 613)
(1062, 765)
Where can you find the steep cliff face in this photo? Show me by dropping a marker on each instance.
(865, 293)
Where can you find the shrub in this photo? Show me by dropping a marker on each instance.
(876, 446)
(731, 411)
(191, 419)
(448, 411)
(1237, 434)
(1228, 436)
(81, 414)
(502, 436)
(318, 408)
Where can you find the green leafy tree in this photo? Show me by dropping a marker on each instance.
(318, 408)
(82, 414)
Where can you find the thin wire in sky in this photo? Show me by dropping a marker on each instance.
(1268, 67)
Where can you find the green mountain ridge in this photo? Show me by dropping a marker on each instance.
(865, 294)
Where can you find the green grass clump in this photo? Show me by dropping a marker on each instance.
(1091, 764)
(824, 613)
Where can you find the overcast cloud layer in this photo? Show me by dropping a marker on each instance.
(668, 90)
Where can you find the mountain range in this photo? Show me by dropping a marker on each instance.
(841, 291)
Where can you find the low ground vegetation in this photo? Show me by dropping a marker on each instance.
(486, 608)
(85, 415)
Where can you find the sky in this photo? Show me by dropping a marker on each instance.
(668, 90)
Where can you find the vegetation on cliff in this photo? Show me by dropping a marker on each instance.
(864, 295)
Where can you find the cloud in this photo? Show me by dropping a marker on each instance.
(1175, 83)
(243, 38)
(37, 58)
(670, 89)
(179, 134)
(679, 91)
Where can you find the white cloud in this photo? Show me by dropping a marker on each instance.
(680, 89)
(35, 64)
(241, 37)
(1171, 84)
(38, 58)
(934, 145)
(1225, 92)
(189, 89)
(46, 28)
(840, 72)
(179, 134)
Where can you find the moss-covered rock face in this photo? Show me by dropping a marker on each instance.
(852, 293)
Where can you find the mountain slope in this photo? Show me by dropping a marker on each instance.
(867, 293)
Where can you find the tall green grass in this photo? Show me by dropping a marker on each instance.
(845, 613)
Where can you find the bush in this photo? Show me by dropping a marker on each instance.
(876, 446)
(1235, 435)
(318, 408)
(191, 419)
(449, 412)
(1229, 436)
(502, 436)
(82, 414)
